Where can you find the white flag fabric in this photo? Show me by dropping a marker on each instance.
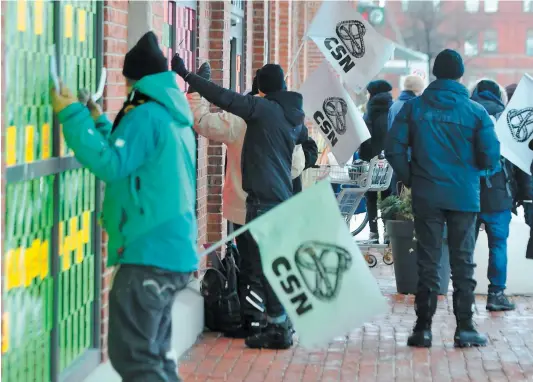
(350, 44)
(315, 268)
(515, 126)
(328, 103)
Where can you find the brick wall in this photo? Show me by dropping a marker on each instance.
(115, 47)
(259, 34)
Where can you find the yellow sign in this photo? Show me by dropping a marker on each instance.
(13, 269)
(79, 247)
(69, 21)
(73, 225)
(45, 144)
(29, 154)
(86, 227)
(61, 238)
(82, 24)
(66, 261)
(39, 16)
(5, 332)
(21, 15)
(11, 149)
(45, 249)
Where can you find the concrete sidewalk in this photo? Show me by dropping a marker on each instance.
(378, 351)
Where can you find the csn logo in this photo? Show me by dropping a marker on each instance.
(332, 118)
(349, 43)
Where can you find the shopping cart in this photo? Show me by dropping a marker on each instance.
(355, 180)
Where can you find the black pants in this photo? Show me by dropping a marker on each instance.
(429, 228)
(372, 208)
(140, 323)
(259, 291)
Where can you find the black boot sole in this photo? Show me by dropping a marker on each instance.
(419, 344)
(270, 346)
(468, 344)
(500, 308)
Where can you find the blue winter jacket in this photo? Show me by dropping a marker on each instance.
(149, 166)
(405, 96)
(452, 138)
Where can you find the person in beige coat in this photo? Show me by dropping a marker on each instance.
(230, 129)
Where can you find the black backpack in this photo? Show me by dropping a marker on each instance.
(222, 308)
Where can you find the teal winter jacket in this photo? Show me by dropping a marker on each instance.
(148, 164)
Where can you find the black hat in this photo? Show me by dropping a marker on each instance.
(448, 65)
(145, 58)
(378, 86)
(271, 79)
(489, 86)
(510, 89)
(255, 85)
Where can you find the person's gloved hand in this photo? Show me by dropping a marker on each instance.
(178, 66)
(204, 71)
(85, 97)
(61, 99)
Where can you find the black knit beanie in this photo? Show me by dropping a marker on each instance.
(510, 89)
(489, 86)
(378, 86)
(271, 79)
(448, 65)
(255, 85)
(145, 58)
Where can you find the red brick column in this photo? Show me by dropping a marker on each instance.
(284, 33)
(248, 44)
(259, 34)
(275, 26)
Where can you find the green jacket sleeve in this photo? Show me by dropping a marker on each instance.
(109, 159)
(104, 126)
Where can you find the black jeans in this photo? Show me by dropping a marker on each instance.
(372, 208)
(429, 229)
(140, 323)
(251, 265)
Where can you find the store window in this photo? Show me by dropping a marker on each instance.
(472, 6)
(529, 42)
(528, 5)
(491, 6)
(490, 41)
(471, 46)
(237, 46)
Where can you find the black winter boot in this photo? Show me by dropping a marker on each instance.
(425, 307)
(274, 336)
(466, 334)
(498, 302)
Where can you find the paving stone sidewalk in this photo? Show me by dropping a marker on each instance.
(378, 351)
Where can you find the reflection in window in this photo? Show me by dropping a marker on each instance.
(529, 43)
(491, 6)
(490, 41)
(472, 6)
(528, 5)
(471, 47)
(405, 5)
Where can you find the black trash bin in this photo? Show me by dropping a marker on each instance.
(403, 245)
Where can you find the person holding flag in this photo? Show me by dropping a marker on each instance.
(452, 139)
(274, 123)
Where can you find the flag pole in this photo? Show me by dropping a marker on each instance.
(295, 58)
(224, 240)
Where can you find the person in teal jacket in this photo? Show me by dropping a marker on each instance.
(147, 159)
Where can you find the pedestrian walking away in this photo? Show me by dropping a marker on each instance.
(452, 139)
(147, 160)
(376, 116)
(274, 123)
(230, 129)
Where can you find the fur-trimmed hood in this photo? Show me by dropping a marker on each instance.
(503, 92)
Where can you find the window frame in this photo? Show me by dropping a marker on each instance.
(495, 40)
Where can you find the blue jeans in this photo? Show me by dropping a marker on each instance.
(497, 228)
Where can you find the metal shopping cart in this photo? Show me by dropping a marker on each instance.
(350, 183)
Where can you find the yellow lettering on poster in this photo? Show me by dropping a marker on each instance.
(21, 15)
(11, 149)
(86, 224)
(5, 332)
(45, 249)
(79, 247)
(82, 24)
(45, 144)
(28, 152)
(65, 260)
(61, 237)
(13, 269)
(29, 260)
(39, 16)
(68, 245)
(73, 225)
(69, 20)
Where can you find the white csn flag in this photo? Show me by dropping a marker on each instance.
(350, 44)
(315, 268)
(328, 103)
(515, 126)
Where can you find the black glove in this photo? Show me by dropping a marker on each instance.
(204, 71)
(178, 66)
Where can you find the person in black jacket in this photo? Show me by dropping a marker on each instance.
(274, 124)
(498, 194)
(376, 118)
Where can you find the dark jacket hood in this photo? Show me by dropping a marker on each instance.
(489, 101)
(406, 95)
(445, 94)
(292, 105)
(380, 103)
